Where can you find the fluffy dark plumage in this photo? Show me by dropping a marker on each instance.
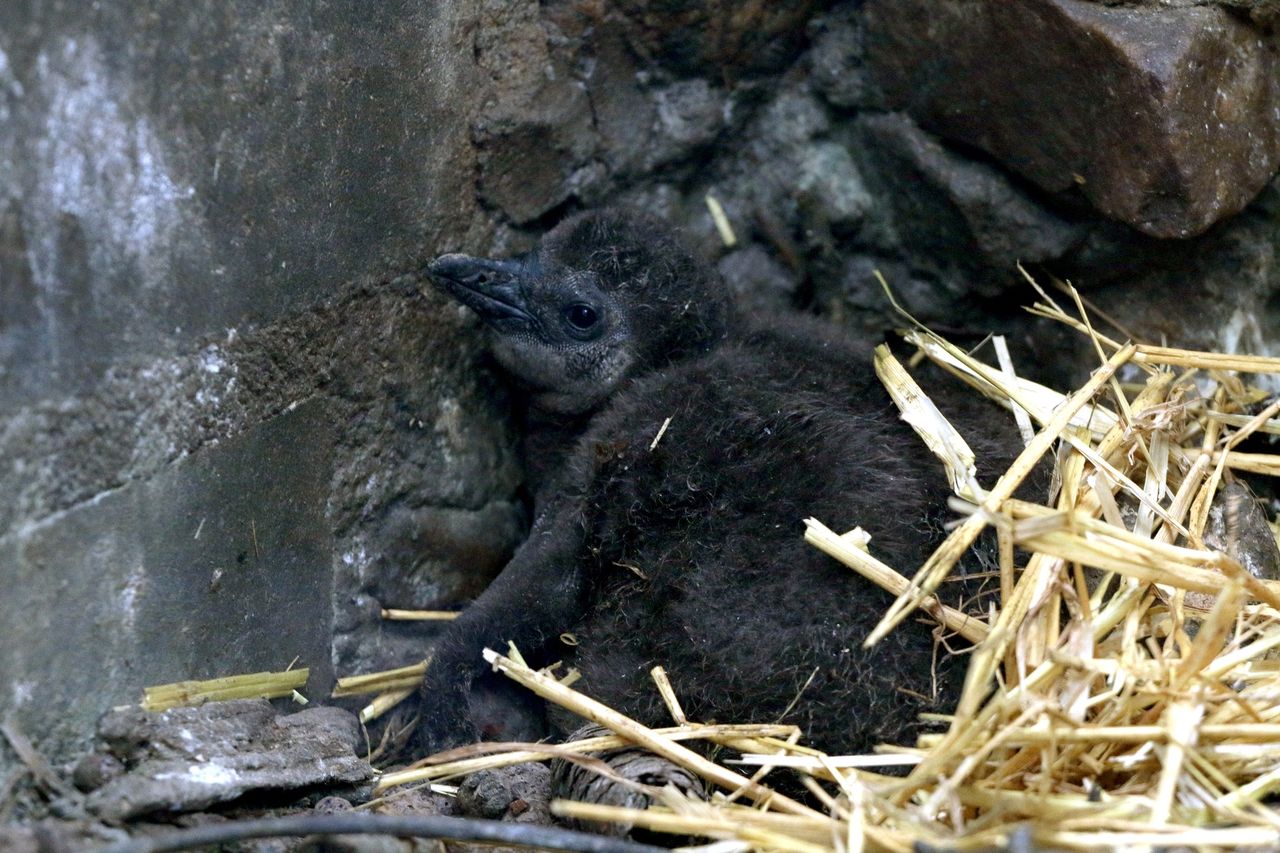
(691, 554)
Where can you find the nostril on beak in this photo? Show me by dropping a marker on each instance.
(448, 266)
(466, 271)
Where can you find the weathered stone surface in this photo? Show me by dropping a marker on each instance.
(43, 836)
(624, 110)
(223, 564)
(538, 105)
(1219, 291)
(791, 169)
(420, 558)
(944, 230)
(520, 793)
(836, 61)
(202, 214)
(730, 38)
(1264, 11)
(829, 179)
(186, 759)
(1163, 118)
(690, 113)
(757, 280)
(1239, 527)
(152, 162)
(368, 409)
(954, 211)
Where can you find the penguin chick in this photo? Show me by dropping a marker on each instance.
(674, 450)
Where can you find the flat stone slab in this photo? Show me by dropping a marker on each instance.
(221, 564)
(187, 759)
(1162, 118)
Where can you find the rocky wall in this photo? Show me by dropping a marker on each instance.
(223, 404)
(232, 424)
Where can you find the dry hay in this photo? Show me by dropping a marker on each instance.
(1124, 692)
(254, 685)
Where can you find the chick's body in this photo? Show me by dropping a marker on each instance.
(695, 552)
(689, 552)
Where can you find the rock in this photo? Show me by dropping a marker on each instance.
(759, 282)
(1216, 292)
(689, 114)
(1262, 11)
(1238, 526)
(333, 805)
(297, 152)
(360, 843)
(836, 61)
(733, 37)
(781, 152)
(352, 434)
(439, 556)
(1162, 118)
(625, 113)
(519, 793)
(367, 844)
(538, 108)
(186, 759)
(950, 211)
(792, 117)
(57, 835)
(829, 181)
(210, 333)
(555, 121)
(95, 770)
(217, 565)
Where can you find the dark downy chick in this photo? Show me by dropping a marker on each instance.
(689, 552)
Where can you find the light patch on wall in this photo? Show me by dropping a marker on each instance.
(210, 773)
(9, 83)
(102, 161)
(10, 89)
(211, 360)
(23, 692)
(133, 586)
(6, 75)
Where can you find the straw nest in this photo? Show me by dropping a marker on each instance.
(1125, 690)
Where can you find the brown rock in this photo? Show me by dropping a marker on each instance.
(1264, 11)
(534, 137)
(186, 759)
(736, 37)
(1164, 118)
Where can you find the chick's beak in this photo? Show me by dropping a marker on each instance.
(490, 288)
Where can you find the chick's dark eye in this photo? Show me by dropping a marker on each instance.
(581, 316)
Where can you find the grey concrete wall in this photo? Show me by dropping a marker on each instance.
(221, 400)
(157, 155)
